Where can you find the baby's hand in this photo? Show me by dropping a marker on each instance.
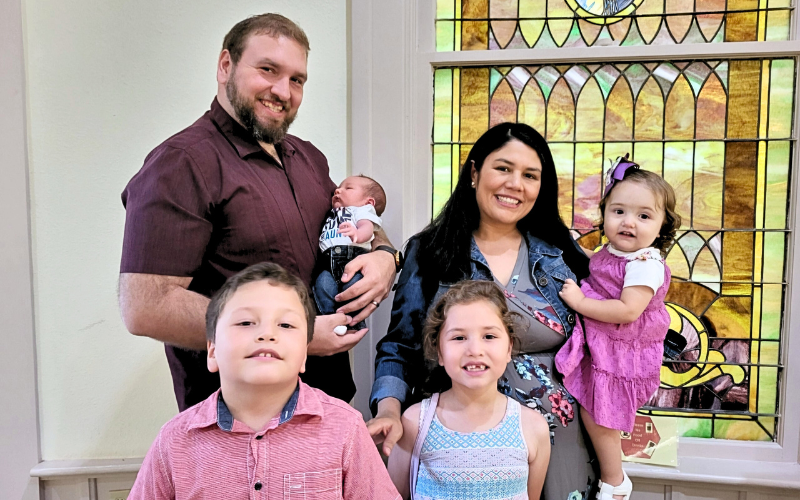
(349, 229)
(571, 293)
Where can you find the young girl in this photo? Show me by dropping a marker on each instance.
(624, 317)
(471, 442)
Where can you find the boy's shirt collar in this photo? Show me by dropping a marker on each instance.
(214, 411)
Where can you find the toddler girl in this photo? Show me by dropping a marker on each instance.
(470, 441)
(624, 317)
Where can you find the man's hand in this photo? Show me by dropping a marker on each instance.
(386, 427)
(379, 272)
(326, 342)
(349, 230)
(572, 294)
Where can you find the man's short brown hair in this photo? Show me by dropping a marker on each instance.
(273, 274)
(274, 25)
(375, 190)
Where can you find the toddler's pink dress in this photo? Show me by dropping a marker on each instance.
(612, 370)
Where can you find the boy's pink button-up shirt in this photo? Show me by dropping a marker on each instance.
(318, 447)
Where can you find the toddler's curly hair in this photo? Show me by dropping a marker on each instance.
(664, 194)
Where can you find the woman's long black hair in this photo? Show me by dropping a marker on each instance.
(444, 245)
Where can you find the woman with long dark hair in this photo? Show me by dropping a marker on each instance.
(501, 224)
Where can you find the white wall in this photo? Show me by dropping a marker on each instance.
(107, 82)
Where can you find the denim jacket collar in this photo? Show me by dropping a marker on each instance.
(536, 248)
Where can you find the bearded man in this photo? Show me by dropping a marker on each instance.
(231, 190)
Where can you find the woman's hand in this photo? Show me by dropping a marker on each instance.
(572, 294)
(386, 427)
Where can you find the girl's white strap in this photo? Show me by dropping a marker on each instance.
(423, 432)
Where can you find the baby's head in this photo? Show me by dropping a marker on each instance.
(471, 333)
(258, 326)
(638, 211)
(360, 190)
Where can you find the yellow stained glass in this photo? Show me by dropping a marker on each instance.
(503, 30)
(711, 106)
(732, 191)
(677, 264)
(590, 113)
(678, 162)
(532, 108)
(679, 112)
(649, 21)
(708, 185)
(504, 104)
(563, 157)
(743, 103)
(619, 113)
(515, 24)
(560, 113)
(649, 112)
(588, 170)
(679, 25)
(560, 20)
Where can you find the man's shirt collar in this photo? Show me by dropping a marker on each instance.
(239, 137)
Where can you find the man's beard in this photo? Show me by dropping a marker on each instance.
(270, 133)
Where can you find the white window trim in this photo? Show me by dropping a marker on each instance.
(391, 95)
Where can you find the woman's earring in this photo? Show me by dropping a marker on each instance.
(473, 184)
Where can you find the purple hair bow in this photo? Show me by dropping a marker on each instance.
(617, 171)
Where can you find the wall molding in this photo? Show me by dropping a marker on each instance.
(19, 448)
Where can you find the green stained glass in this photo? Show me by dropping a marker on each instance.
(771, 302)
(441, 176)
(718, 132)
(777, 184)
(445, 9)
(694, 427)
(781, 99)
(443, 111)
(494, 78)
(740, 429)
(768, 389)
(445, 35)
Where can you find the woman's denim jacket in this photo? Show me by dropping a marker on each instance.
(400, 367)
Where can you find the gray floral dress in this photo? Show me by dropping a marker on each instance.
(529, 379)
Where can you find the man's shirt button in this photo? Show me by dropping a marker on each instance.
(259, 437)
(257, 485)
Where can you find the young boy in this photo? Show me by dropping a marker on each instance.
(357, 204)
(264, 434)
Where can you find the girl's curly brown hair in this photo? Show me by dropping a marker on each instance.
(467, 292)
(664, 194)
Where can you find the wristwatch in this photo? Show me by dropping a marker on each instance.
(399, 260)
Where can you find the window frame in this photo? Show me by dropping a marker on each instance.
(393, 53)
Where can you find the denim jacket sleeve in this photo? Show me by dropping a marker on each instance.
(399, 362)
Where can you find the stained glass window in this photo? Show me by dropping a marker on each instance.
(522, 24)
(720, 133)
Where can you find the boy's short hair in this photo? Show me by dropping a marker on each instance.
(375, 190)
(273, 274)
